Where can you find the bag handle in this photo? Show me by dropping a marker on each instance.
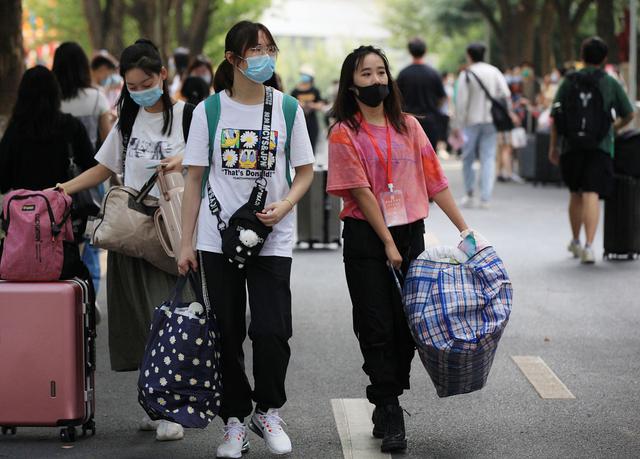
(55, 227)
(157, 218)
(146, 188)
(175, 296)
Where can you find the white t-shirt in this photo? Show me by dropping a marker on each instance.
(472, 104)
(147, 146)
(87, 106)
(234, 169)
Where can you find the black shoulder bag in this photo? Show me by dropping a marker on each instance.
(244, 237)
(499, 108)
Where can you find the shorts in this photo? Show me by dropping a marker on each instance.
(587, 171)
(504, 138)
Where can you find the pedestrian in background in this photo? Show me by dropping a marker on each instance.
(473, 114)
(250, 56)
(134, 286)
(87, 103)
(310, 100)
(587, 169)
(200, 67)
(384, 168)
(34, 151)
(423, 93)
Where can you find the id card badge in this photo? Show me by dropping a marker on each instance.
(393, 208)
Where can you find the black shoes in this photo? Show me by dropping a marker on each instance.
(391, 422)
(379, 424)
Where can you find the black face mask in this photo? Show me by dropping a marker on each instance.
(372, 95)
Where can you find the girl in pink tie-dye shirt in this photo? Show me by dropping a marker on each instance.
(384, 168)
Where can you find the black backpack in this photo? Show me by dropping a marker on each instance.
(582, 119)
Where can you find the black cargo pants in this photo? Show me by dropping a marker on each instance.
(267, 281)
(378, 317)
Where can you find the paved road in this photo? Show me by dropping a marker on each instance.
(582, 321)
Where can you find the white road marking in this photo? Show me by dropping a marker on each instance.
(353, 419)
(542, 378)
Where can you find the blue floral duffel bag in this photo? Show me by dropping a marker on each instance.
(180, 378)
(457, 313)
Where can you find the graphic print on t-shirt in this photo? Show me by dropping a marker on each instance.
(241, 156)
(147, 149)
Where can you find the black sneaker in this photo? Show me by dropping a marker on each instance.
(394, 434)
(379, 424)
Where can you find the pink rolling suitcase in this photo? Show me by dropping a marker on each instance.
(47, 356)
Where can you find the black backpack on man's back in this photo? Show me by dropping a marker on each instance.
(582, 119)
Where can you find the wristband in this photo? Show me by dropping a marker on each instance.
(289, 201)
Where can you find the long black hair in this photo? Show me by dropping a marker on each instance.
(143, 55)
(242, 36)
(36, 113)
(346, 108)
(71, 68)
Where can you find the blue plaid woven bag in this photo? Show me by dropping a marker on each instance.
(180, 378)
(457, 313)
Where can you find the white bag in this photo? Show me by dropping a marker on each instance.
(518, 137)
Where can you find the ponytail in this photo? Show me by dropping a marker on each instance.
(223, 79)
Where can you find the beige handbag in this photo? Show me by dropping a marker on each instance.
(168, 217)
(125, 225)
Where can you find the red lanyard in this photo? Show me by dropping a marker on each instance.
(379, 152)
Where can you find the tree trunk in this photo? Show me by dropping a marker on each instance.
(93, 14)
(526, 22)
(605, 26)
(113, 26)
(200, 25)
(545, 32)
(11, 56)
(144, 12)
(567, 51)
(105, 24)
(182, 36)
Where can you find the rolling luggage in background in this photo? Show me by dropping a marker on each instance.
(626, 160)
(318, 214)
(533, 160)
(47, 356)
(622, 219)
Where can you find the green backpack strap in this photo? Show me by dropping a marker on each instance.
(290, 108)
(212, 109)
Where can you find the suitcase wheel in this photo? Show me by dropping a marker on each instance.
(68, 434)
(89, 425)
(10, 430)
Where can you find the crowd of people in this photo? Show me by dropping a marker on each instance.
(125, 117)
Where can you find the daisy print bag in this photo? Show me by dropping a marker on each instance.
(180, 378)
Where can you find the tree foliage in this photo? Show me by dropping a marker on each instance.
(112, 24)
(546, 32)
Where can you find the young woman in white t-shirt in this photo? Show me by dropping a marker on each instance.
(134, 286)
(249, 62)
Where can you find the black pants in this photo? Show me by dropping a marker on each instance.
(378, 317)
(267, 281)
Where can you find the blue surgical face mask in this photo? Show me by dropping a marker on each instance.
(147, 97)
(259, 68)
(305, 78)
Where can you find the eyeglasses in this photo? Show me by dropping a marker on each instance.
(271, 50)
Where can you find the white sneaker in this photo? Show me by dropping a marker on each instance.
(235, 441)
(148, 425)
(485, 205)
(575, 248)
(587, 256)
(268, 426)
(467, 201)
(169, 431)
